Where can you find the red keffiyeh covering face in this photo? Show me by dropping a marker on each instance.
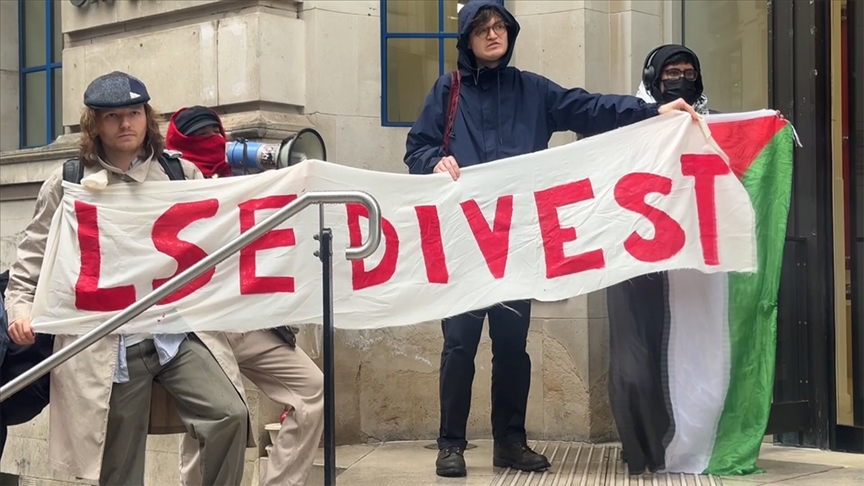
(197, 133)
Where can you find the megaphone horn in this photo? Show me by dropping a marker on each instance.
(303, 145)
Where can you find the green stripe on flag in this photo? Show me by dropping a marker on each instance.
(753, 315)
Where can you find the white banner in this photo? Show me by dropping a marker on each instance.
(551, 225)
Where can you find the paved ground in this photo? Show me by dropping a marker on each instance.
(574, 464)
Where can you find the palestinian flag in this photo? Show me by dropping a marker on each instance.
(692, 355)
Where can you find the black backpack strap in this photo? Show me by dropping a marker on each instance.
(4, 282)
(287, 334)
(170, 162)
(73, 171)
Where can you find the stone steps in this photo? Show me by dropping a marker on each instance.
(577, 464)
(412, 464)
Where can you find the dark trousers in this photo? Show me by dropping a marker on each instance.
(25, 405)
(638, 321)
(511, 372)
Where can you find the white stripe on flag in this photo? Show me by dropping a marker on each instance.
(733, 117)
(698, 365)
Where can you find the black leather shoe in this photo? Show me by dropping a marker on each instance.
(451, 463)
(519, 456)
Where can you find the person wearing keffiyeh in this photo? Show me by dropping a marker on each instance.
(670, 72)
(638, 384)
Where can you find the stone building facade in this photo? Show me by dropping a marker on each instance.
(275, 66)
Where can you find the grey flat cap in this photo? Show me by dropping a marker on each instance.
(115, 90)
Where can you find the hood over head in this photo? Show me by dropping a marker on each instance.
(659, 58)
(206, 152)
(469, 12)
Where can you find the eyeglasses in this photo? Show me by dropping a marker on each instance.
(676, 74)
(498, 27)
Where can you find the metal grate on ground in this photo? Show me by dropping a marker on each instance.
(575, 464)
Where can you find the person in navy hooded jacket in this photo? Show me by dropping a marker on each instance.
(500, 112)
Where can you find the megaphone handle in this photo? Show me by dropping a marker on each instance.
(245, 155)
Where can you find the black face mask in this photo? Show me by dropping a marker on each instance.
(680, 88)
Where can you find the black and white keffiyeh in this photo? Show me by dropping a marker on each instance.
(701, 105)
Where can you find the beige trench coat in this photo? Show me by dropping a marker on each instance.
(81, 387)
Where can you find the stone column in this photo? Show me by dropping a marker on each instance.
(637, 28)
(9, 78)
(245, 59)
(565, 40)
(343, 99)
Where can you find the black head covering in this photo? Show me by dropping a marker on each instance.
(196, 118)
(657, 60)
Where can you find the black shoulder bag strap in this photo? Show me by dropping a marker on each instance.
(73, 169)
(172, 166)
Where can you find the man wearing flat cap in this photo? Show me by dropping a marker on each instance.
(104, 400)
(268, 358)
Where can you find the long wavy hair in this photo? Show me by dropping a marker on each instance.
(91, 145)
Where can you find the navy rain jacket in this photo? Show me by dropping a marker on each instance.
(504, 112)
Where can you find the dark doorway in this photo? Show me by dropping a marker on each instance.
(850, 437)
(799, 86)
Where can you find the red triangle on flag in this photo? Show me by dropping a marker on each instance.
(744, 140)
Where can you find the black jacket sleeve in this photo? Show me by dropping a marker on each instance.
(425, 144)
(589, 114)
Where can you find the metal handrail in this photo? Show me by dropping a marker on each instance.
(193, 272)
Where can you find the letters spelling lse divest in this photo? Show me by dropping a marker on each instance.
(492, 239)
